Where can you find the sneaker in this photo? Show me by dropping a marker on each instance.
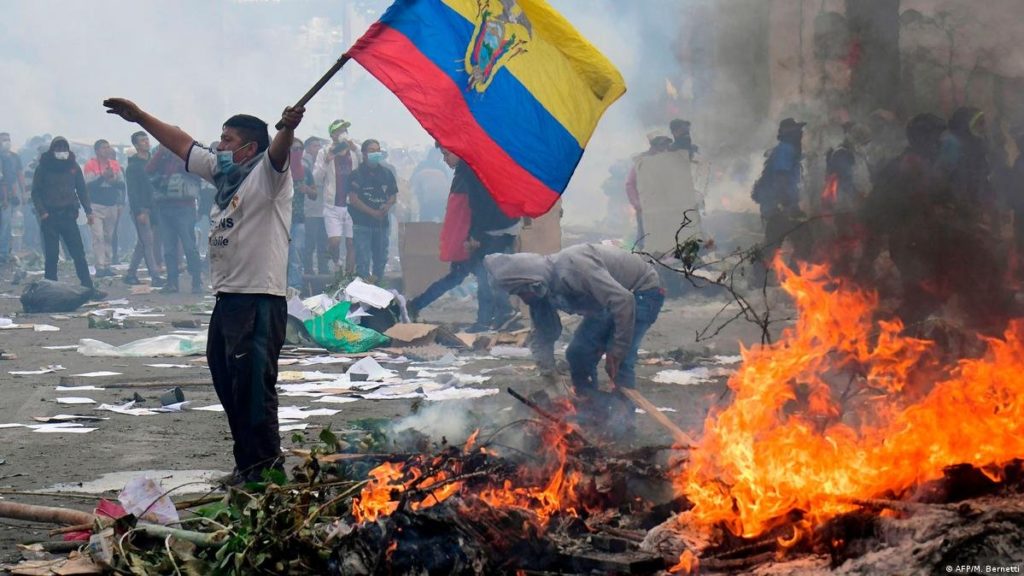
(169, 289)
(95, 295)
(509, 322)
(131, 280)
(157, 282)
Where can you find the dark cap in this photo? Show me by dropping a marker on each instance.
(789, 125)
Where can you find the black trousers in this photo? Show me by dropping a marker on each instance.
(60, 225)
(246, 335)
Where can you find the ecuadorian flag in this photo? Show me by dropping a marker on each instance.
(508, 85)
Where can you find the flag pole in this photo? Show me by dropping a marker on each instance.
(319, 84)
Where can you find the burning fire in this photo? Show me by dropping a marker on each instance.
(545, 491)
(844, 407)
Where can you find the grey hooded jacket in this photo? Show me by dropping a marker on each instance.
(583, 279)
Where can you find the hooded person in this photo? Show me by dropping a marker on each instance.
(58, 189)
(618, 294)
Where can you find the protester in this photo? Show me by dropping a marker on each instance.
(297, 232)
(334, 165)
(372, 192)
(429, 182)
(105, 180)
(454, 236)
(248, 261)
(316, 234)
(777, 193)
(58, 188)
(175, 194)
(681, 139)
(657, 143)
(618, 294)
(847, 185)
(12, 192)
(140, 203)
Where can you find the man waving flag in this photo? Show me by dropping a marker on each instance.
(509, 86)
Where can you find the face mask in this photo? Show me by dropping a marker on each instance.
(226, 160)
(61, 155)
(375, 158)
(5, 146)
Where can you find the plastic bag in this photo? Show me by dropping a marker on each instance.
(144, 498)
(50, 296)
(168, 345)
(335, 333)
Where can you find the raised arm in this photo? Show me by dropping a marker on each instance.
(281, 146)
(171, 137)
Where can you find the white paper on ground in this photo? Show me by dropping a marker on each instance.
(75, 400)
(169, 366)
(726, 360)
(302, 394)
(319, 304)
(44, 370)
(691, 377)
(77, 388)
(66, 347)
(298, 413)
(354, 314)
(176, 407)
(127, 408)
(45, 328)
(164, 345)
(13, 425)
(287, 361)
(5, 322)
(211, 408)
(359, 291)
(510, 352)
(99, 374)
(336, 399)
(371, 368)
(313, 360)
(460, 394)
(68, 418)
(293, 427)
(63, 430)
(310, 376)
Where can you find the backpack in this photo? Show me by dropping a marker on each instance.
(177, 187)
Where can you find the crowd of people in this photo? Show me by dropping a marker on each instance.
(93, 204)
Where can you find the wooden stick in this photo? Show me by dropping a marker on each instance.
(549, 416)
(319, 84)
(46, 514)
(681, 438)
(201, 539)
(73, 528)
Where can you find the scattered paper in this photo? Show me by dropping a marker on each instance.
(66, 347)
(62, 428)
(324, 360)
(298, 309)
(75, 400)
(12, 425)
(45, 328)
(298, 413)
(319, 304)
(510, 352)
(44, 370)
(99, 374)
(336, 399)
(359, 291)
(169, 366)
(68, 418)
(459, 394)
(127, 409)
(691, 377)
(660, 409)
(5, 322)
(726, 360)
(371, 368)
(165, 345)
(77, 388)
(211, 408)
(293, 427)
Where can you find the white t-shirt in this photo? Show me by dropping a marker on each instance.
(248, 239)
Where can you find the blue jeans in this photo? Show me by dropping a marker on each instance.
(456, 274)
(295, 249)
(178, 223)
(6, 215)
(595, 334)
(371, 245)
(492, 303)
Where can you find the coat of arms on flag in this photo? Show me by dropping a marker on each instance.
(501, 32)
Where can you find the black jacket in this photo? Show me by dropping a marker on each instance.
(140, 188)
(485, 214)
(59, 185)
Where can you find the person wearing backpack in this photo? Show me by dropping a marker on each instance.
(175, 192)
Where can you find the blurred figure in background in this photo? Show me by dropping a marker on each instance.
(105, 180)
(140, 204)
(316, 234)
(12, 193)
(175, 194)
(430, 182)
(373, 191)
(334, 164)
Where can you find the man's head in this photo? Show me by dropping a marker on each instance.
(313, 145)
(5, 142)
(371, 152)
(60, 148)
(103, 150)
(338, 129)
(450, 158)
(140, 140)
(245, 135)
(525, 275)
(659, 141)
(791, 131)
(680, 128)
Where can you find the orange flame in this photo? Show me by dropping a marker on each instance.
(471, 441)
(831, 190)
(688, 564)
(796, 438)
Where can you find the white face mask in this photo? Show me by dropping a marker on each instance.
(61, 155)
(5, 146)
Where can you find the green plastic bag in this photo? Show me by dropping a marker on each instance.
(335, 333)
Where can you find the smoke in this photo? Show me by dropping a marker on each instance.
(436, 420)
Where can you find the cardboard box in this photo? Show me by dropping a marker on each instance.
(419, 253)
